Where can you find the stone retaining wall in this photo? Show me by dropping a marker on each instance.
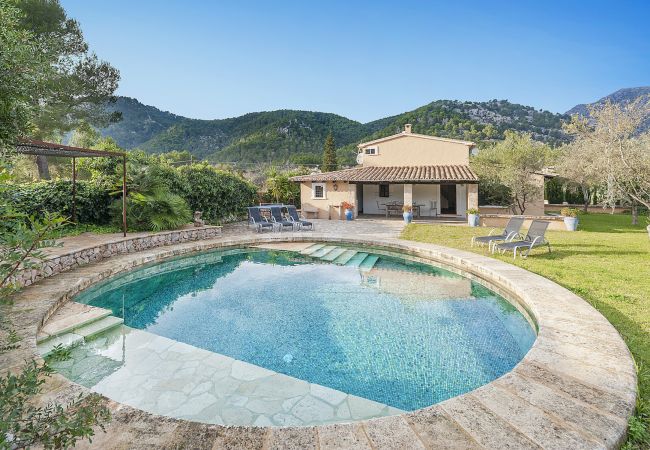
(500, 220)
(67, 261)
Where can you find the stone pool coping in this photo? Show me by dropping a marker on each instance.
(576, 387)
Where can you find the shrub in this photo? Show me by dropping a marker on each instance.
(222, 196)
(93, 200)
(154, 211)
(569, 212)
(473, 211)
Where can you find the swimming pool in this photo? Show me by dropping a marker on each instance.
(322, 334)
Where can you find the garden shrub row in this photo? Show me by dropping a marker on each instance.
(222, 196)
(93, 200)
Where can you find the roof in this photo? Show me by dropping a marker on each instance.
(34, 147)
(422, 136)
(396, 174)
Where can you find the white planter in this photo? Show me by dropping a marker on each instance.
(648, 228)
(571, 223)
(473, 220)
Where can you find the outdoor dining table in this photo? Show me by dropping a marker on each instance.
(397, 208)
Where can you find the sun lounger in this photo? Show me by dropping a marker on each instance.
(276, 216)
(534, 238)
(256, 220)
(510, 232)
(295, 218)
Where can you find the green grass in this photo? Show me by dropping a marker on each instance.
(606, 262)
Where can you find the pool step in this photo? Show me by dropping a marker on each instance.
(72, 323)
(368, 263)
(70, 316)
(331, 256)
(65, 340)
(356, 260)
(346, 256)
(78, 335)
(99, 326)
(323, 251)
(312, 249)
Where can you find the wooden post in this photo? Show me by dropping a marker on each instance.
(74, 190)
(124, 195)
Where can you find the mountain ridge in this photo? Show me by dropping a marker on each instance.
(297, 136)
(622, 96)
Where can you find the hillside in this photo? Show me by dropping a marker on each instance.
(622, 96)
(257, 137)
(288, 135)
(139, 122)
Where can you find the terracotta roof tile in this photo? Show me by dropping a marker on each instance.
(401, 174)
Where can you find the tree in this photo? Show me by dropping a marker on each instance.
(614, 150)
(77, 85)
(329, 155)
(23, 74)
(280, 187)
(576, 164)
(512, 163)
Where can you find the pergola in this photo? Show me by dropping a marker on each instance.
(40, 148)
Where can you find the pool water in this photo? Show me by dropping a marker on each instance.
(401, 333)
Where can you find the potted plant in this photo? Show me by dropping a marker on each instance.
(349, 210)
(473, 217)
(408, 213)
(570, 218)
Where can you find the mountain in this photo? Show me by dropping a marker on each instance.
(622, 96)
(257, 137)
(139, 122)
(298, 136)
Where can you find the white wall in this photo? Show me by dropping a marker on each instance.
(371, 196)
(424, 194)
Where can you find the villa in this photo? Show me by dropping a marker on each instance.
(430, 173)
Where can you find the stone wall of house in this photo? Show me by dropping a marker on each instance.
(67, 261)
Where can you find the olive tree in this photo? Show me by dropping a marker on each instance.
(576, 165)
(513, 163)
(612, 150)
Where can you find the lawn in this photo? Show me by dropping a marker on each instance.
(606, 262)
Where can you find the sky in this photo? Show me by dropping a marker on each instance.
(366, 59)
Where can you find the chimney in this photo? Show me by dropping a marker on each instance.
(407, 128)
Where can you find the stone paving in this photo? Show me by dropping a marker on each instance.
(576, 387)
(170, 378)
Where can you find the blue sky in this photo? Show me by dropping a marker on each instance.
(366, 59)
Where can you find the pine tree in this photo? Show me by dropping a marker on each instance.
(329, 155)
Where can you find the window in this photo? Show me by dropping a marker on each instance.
(371, 150)
(318, 190)
(383, 190)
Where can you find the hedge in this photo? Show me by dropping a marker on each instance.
(221, 195)
(56, 196)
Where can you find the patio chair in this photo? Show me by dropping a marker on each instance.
(256, 220)
(276, 216)
(534, 238)
(299, 221)
(433, 208)
(382, 210)
(510, 232)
